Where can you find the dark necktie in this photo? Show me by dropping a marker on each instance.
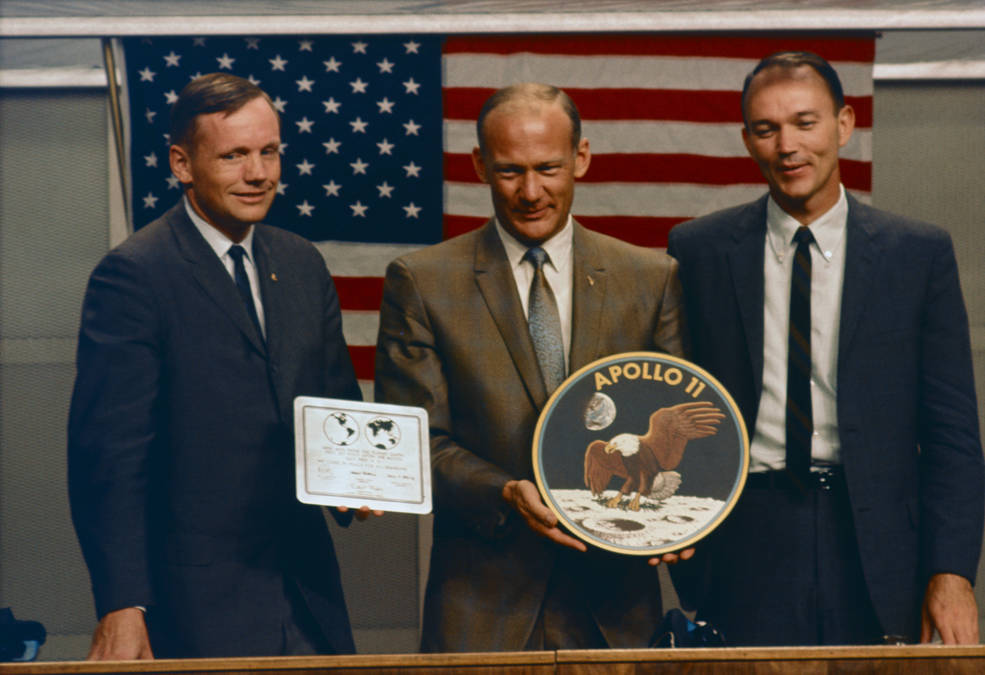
(237, 253)
(545, 322)
(800, 415)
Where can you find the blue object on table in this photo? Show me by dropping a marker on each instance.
(679, 631)
(19, 640)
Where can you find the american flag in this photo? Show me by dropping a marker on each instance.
(377, 133)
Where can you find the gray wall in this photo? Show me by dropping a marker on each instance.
(929, 145)
(53, 212)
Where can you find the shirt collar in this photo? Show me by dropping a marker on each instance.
(219, 242)
(828, 230)
(558, 247)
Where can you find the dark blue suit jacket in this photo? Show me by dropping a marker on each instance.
(181, 453)
(907, 416)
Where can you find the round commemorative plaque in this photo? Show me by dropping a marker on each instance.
(641, 453)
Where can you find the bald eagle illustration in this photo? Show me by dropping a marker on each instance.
(642, 459)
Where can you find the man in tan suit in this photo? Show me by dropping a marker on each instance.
(454, 339)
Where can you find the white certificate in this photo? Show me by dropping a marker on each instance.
(350, 453)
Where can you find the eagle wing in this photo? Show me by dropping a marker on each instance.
(671, 428)
(601, 466)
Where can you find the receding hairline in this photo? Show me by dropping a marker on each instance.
(191, 138)
(528, 97)
(214, 93)
(792, 65)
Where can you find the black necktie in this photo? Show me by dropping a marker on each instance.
(237, 253)
(800, 415)
(544, 322)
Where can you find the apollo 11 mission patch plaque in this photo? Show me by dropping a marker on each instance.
(641, 453)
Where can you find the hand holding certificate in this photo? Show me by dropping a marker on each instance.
(354, 454)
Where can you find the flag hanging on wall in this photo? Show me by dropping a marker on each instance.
(377, 132)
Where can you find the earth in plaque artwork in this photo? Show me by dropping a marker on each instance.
(641, 454)
(383, 433)
(340, 428)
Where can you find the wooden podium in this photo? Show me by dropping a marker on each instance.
(904, 659)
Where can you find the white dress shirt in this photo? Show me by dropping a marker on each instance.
(221, 244)
(558, 273)
(768, 449)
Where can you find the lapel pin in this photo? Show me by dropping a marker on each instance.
(273, 277)
(591, 281)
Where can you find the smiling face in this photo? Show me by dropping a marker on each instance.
(530, 166)
(794, 132)
(231, 166)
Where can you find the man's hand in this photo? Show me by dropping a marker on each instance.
(121, 636)
(522, 495)
(362, 513)
(671, 558)
(949, 608)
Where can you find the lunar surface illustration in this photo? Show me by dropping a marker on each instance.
(600, 411)
(340, 429)
(656, 524)
(383, 433)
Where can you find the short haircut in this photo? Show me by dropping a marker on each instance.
(791, 61)
(530, 92)
(212, 93)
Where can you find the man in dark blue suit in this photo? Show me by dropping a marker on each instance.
(862, 517)
(197, 334)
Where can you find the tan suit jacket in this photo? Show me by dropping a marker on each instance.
(453, 339)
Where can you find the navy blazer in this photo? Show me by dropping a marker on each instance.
(907, 415)
(181, 454)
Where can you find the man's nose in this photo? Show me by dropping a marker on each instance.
(786, 141)
(530, 187)
(255, 169)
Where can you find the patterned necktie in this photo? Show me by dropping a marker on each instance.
(237, 253)
(545, 322)
(800, 416)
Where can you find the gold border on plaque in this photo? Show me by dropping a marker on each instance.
(667, 381)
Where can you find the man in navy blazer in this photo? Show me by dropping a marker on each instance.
(879, 541)
(181, 434)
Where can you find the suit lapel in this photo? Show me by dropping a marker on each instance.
(588, 299)
(861, 251)
(495, 280)
(209, 272)
(746, 265)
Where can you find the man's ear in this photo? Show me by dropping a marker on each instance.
(846, 124)
(479, 164)
(180, 163)
(583, 157)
